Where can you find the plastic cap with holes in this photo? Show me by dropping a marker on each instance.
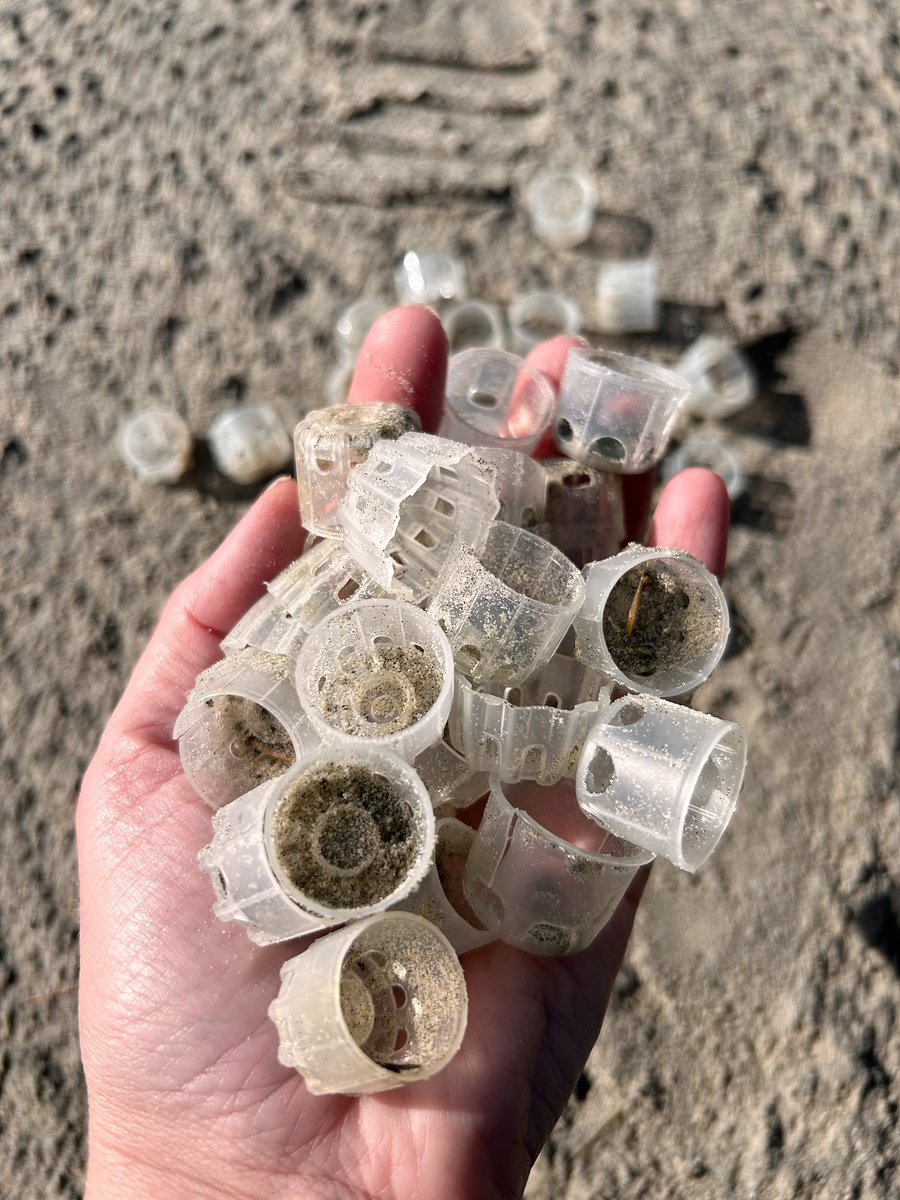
(663, 776)
(616, 412)
(371, 1007)
(377, 673)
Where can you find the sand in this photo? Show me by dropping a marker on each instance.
(192, 193)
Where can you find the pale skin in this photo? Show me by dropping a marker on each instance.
(187, 1098)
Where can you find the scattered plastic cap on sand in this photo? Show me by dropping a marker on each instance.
(249, 443)
(561, 206)
(156, 445)
(627, 299)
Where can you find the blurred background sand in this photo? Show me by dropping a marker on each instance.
(188, 194)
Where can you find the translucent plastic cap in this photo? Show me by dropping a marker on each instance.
(561, 206)
(379, 672)
(616, 413)
(429, 278)
(374, 1006)
(249, 443)
(156, 445)
(627, 300)
(352, 325)
(495, 398)
(584, 510)
(328, 444)
(506, 605)
(473, 323)
(663, 776)
(653, 621)
(721, 380)
(715, 453)
(408, 502)
(344, 834)
(242, 725)
(541, 315)
(540, 874)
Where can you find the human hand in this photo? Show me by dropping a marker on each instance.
(187, 1098)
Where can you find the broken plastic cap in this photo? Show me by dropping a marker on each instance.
(440, 897)
(374, 1006)
(663, 776)
(615, 412)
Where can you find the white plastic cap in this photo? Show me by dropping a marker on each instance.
(663, 776)
(627, 300)
(615, 412)
(242, 725)
(714, 453)
(561, 207)
(429, 278)
(249, 443)
(156, 445)
(440, 897)
(534, 730)
(328, 443)
(495, 398)
(352, 325)
(377, 673)
(541, 315)
(473, 323)
(374, 1006)
(506, 604)
(722, 381)
(653, 621)
(407, 503)
(540, 874)
(584, 510)
(346, 833)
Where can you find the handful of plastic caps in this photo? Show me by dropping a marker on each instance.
(439, 643)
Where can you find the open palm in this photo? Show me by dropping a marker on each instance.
(187, 1098)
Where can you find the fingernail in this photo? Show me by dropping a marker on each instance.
(427, 308)
(275, 482)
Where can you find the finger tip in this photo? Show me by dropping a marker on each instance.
(403, 360)
(693, 514)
